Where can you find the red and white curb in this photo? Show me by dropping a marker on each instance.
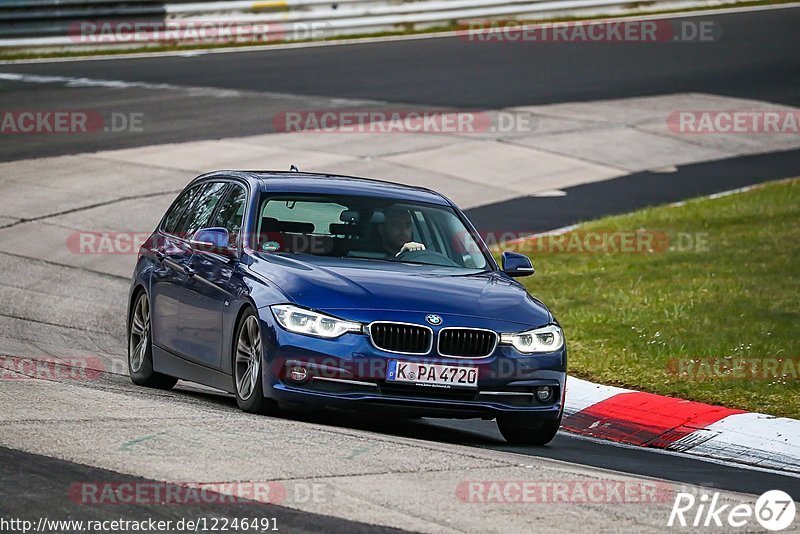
(648, 420)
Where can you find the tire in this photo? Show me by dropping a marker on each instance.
(518, 431)
(247, 360)
(140, 348)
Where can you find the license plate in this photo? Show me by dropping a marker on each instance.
(432, 374)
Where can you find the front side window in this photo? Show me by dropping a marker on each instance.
(177, 210)
(198, 214)
(231, 213)
(367, 228)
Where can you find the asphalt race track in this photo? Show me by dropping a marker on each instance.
(627, 193)
(209, 96)
(442, 72)
(46, 480)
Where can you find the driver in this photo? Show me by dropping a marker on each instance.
(396, 232)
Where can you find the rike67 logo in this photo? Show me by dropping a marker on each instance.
(774, 510)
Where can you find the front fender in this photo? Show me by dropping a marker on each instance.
(140, 280)
(247, 290)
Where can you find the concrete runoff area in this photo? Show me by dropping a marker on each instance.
(67, 303)
(186, 438)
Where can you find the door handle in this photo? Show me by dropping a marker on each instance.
(158, 254)
(189, 271)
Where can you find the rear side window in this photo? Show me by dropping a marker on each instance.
(198, 215)
(177, 210)
(231, 213)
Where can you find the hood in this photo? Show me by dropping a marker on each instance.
(330, 284)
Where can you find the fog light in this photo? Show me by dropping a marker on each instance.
(543, 393)
(298, 374)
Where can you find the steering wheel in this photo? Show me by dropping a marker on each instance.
(426, 256)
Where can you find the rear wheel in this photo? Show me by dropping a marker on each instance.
(519, 431)
(140, 348)
(247, 366)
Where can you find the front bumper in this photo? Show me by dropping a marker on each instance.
(349, 372)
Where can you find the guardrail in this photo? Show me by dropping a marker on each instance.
(133, 23)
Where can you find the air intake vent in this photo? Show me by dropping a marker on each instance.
(466, 342)
(401, 337)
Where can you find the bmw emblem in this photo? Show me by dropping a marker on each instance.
(433, 319)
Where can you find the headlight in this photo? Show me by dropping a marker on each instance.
(311, 323)
(545, 339)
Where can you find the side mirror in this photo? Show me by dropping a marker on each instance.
(214, 240)
(516, 264)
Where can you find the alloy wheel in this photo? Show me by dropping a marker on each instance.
(248, 357)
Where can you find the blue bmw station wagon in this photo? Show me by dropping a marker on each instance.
(289, 289)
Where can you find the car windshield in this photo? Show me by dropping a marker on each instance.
(367, 228)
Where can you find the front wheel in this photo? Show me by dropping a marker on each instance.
(247, 359)
(519, 431)
(140, 348)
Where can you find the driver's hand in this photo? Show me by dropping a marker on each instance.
(411, 247)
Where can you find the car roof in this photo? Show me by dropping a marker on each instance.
(322, 183)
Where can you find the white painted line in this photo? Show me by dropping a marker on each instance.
(117, 84)
(372, 40)
(665, 170)
(729, 192)
(215, 92)
(733, 191)
(716, 195)
(550, 193)
(571, 227)
(557, 231)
